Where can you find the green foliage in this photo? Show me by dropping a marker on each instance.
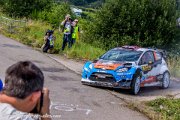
(23, 8)
(142, 22)
(55, 14)
(178, 4)
(169, 108)
(96, 4)
(90, 3)
(78, 2)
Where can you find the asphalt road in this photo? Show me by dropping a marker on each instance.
(69, 99)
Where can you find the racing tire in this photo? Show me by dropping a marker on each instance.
(165, 80)
(136, 84)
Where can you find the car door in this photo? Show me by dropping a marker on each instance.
(147, 63)
(157, 64)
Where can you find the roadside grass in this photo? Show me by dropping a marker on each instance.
(174, 66)
(84, 51)
(167, 108)
(31, 35)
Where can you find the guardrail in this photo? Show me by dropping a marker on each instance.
(11, 25)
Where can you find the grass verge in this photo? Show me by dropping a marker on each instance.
(167, 108)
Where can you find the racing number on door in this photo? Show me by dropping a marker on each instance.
(146, 67)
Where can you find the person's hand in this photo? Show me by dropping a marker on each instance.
(45, 38)
(46, 103)
(66, 19)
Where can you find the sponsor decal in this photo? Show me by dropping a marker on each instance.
(149, 80)
(106, 66)
(146, 67)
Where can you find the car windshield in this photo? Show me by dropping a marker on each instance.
(121, 55)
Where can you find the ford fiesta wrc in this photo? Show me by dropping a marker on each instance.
(128, 67)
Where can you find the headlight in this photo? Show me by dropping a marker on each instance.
(122, 70)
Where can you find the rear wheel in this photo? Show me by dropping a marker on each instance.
(135, 85)
(165, 80)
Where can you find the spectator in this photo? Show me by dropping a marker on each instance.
(76, 31)
(49, 40)
(22, 92)
(67, 30)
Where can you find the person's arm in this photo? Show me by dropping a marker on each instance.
(45, 38)
(63, 22)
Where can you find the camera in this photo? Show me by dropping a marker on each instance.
(69, 19)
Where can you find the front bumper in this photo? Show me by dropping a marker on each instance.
(125, 85)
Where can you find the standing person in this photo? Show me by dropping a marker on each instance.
(76, 31)
(67, 30)
(22, 93)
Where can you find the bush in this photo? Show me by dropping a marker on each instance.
(54, 15)
(146, 22)
(23, 8)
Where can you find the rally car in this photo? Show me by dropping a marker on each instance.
(129, 67)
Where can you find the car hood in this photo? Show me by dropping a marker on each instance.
(109, 65)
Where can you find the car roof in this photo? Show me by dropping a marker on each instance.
(134, 48)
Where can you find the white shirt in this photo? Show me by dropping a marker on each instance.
(8, 112)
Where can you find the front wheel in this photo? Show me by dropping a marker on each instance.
(165, 80)
(135, 85)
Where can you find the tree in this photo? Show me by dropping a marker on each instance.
(134, 22)
(23, 8)
(56, 14)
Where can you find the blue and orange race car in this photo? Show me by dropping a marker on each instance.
(129, 67)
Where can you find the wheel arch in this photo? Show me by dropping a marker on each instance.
(138, 71)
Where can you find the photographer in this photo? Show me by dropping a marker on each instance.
(67, 30)
(23, 96)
